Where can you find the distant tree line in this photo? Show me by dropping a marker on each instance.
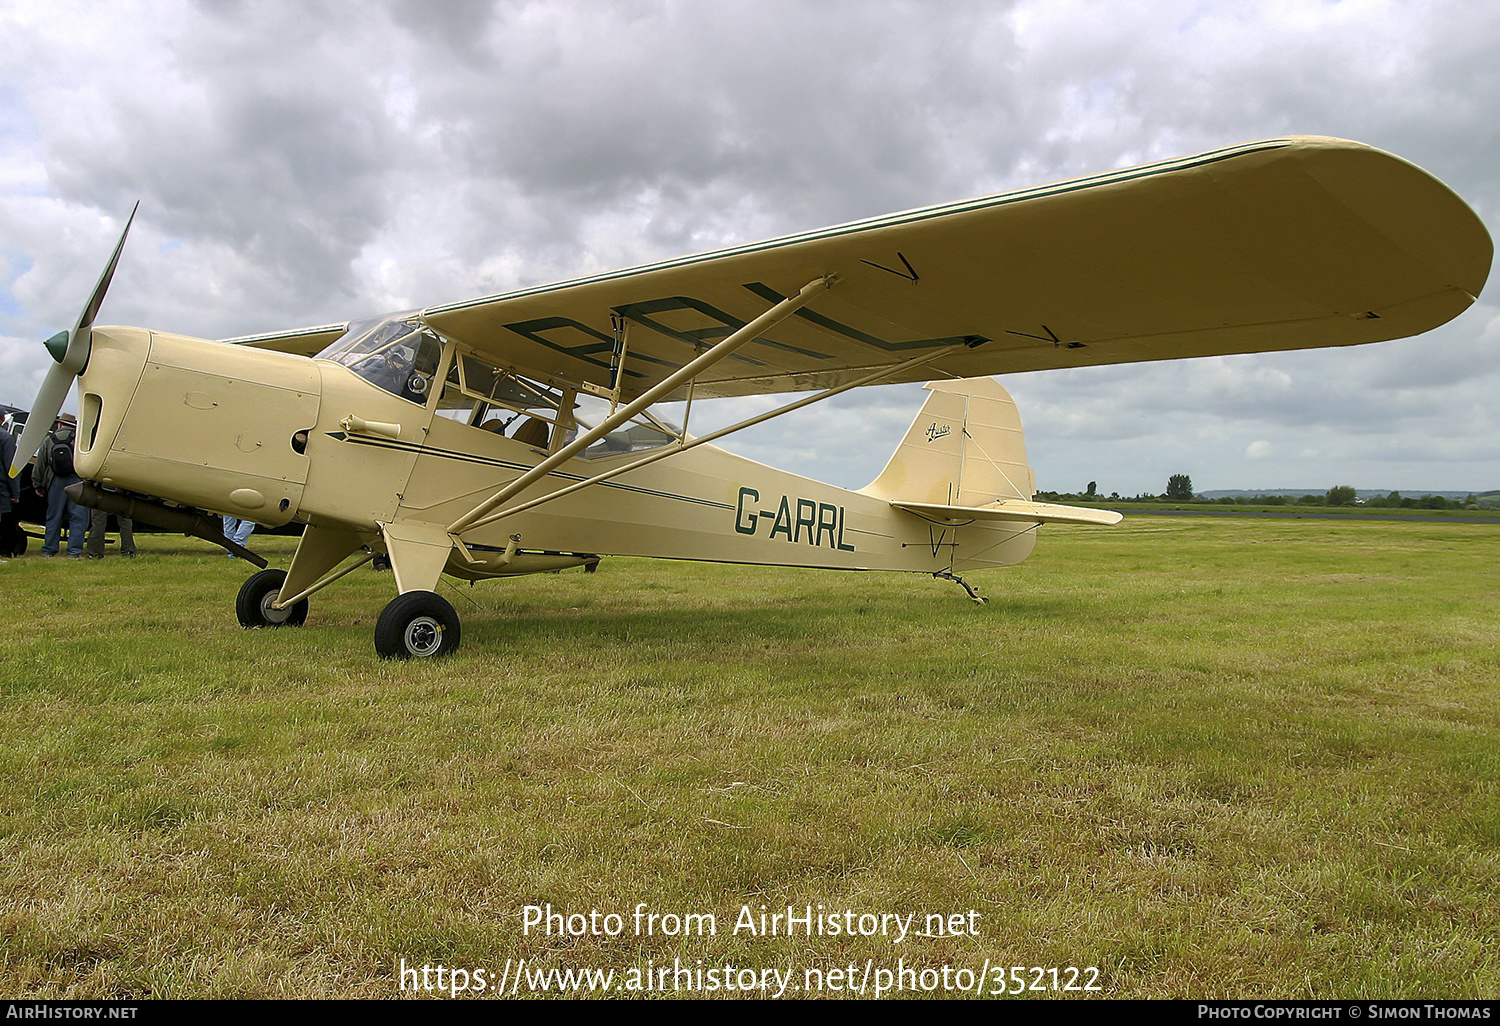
(1180, 489)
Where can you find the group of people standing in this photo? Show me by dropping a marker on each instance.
(51, 475)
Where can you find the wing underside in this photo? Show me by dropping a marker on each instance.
(1281, 244)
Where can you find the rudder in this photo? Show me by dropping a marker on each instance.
(964, 449)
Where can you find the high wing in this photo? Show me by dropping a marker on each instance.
(300, 341)
(1287, 243)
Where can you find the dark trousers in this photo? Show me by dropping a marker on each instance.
(98, 519)
(12, 540)
(60, 508)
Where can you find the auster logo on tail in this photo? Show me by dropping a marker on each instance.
(934, 432)
(820, 518)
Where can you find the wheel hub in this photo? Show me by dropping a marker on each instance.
(270, 612)
(424, 636)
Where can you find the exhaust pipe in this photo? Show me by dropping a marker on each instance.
(192, 524)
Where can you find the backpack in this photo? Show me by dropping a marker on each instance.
(62, 454)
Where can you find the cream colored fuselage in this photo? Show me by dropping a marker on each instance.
(217, 426)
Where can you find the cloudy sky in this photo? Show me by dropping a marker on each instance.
(301, 163)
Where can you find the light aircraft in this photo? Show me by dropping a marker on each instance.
(514, 434)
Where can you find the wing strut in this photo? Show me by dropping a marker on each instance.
(762, 324)
(662, 454)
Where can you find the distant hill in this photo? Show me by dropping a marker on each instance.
(1363, 493)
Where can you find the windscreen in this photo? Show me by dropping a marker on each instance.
(396, 353)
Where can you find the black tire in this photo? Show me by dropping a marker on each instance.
(416, 625)
(253, 606)
(12, 538)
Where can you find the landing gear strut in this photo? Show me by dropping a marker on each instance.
(416, 625)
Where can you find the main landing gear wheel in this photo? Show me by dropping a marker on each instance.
(253, 606)
(416, 625)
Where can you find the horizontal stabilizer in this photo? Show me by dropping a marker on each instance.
(1012, 509)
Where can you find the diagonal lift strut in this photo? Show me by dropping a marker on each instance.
(867, 379)
(749, 333)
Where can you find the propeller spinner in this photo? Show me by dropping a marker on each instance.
(71, 351)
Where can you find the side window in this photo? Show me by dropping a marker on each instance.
(486, 397)
(455, 403)
(479, 378)
(643, 433)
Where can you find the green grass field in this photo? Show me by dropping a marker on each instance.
(1211, 758)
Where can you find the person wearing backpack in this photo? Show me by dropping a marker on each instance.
(53, 473)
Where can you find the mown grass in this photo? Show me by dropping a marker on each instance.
(1213, 758)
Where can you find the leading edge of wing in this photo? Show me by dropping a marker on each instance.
(892, 220)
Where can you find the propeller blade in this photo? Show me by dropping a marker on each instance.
(49, 400)
(79, 338)
(59, 379)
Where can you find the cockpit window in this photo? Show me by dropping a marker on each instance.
(395, 353)
(645, 431)
(482, 395)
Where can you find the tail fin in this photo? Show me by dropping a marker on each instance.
(964, 460)
(964, 449)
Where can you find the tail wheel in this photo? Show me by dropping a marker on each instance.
(416, 625)
(253, 606)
